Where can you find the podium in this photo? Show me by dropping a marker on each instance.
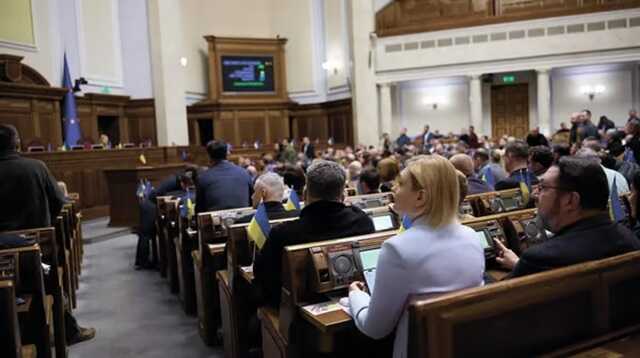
(122, 184)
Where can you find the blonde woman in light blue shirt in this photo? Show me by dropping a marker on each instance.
(436, 255)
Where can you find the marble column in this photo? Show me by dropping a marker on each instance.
(364, 90)
(166, 38)
(475, 103)
(386, 113)
(544, 101)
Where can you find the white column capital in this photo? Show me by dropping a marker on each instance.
(543, 70)
(474, 76)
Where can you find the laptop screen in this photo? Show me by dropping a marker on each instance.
(382, 222)
(369, 260)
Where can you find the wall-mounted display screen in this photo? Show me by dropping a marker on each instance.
(247, 74)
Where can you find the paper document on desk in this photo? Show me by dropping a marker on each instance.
(317, 309)
(247, 269)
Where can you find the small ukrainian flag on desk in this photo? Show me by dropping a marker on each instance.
(293, 202)
(259, 228)
(405, 224)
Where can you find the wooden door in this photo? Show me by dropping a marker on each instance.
(510, 110)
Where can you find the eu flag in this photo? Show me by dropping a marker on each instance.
(71, 124)
(259, 227)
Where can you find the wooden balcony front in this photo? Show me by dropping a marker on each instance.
(402, 17)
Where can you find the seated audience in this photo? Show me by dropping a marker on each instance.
(632, 130)
(572, 201)
(389, 170)
(436, 255)
(324, 217)
(354, 170)
(634, 223)
(540, 160)
(484, 161)
(464, 190)
(605, 124)
(31, 199)
(403, 139)
(269, 189)
(633, 114)
(535, 138)
(293, 177)
(369, 182)
(174, 185)
(464, 164)
(560, 150)
(516, 162)
(224, 185)
(621, 183)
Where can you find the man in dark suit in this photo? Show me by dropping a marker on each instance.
(30, 195)
(572, 202)
(269, 189)
(516, 156)
(308, 149)
(224, 185)
(464, 164)
(324, 217)
(174, 185)
(30, 199)
(535, 138)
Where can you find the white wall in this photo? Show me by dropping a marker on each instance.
(136, 59)
(45, 57)
(413, 105)
(615, 102)
(237, 18)
(105, 41)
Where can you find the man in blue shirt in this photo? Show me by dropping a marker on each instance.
(224, 185)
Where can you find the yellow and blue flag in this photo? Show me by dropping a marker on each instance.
(615, 208)
(524, 188)
(259, 227)
(293, 202)
(405, 224)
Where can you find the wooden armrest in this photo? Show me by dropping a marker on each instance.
(29, 351)
(26, 306)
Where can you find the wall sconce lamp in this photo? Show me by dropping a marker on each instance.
(434, 102)
(592, 91)
(330, 66)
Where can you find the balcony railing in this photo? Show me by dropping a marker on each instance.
(413, 16)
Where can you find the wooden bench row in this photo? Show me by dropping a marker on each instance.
(38, 321)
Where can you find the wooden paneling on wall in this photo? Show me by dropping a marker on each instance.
(414, 16)
(29, 103)
(241, 125)
(323, 121)
(136, 118)
(141, 116)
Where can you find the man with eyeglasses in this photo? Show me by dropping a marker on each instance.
(572, 200)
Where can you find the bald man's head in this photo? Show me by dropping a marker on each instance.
(463, 163)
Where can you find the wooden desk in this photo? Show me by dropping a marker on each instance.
(328, 321)
(123, 183)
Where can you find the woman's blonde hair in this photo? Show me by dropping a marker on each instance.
(439, 180)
